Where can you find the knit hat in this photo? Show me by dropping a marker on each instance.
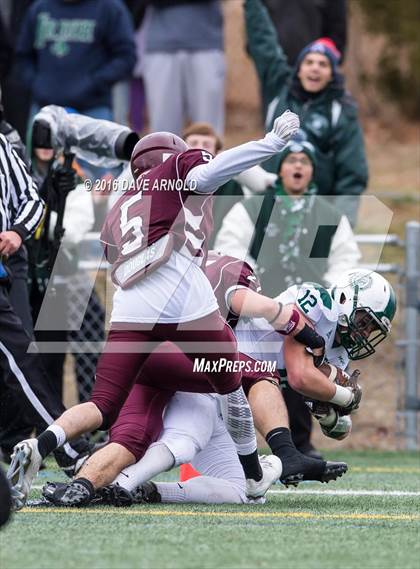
(298, 144)
(324, 46)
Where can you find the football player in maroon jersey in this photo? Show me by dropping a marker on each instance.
(155, 239)
(139, 424)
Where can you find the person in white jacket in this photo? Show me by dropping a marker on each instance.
(291, 235)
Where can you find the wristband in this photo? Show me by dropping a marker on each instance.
(277, 313)
(308, 337)
(342, 397)
(291, 325)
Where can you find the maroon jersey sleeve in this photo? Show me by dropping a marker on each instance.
(108, 243)
(189, 160)
(241, 275)
(227, 274)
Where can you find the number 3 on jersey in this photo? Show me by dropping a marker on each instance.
(307, 301)
(134, 225)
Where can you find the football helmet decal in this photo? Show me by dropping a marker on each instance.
(367, 305)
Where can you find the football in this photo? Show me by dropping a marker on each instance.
(335, 374)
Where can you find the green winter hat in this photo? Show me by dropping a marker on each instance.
(298, 145)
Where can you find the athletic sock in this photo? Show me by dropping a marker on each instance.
(158, 458)
(294, 462)
(280, 442)
(251, 465)
(53, 437)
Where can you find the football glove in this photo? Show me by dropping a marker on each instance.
(340, 430)
(332, 424)
(350, 382)
(286, 125)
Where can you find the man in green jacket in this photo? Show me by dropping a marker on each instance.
(314, 89)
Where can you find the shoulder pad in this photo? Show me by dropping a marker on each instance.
(314, 301)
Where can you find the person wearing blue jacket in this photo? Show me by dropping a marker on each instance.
(71, 52)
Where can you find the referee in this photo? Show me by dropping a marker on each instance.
(21, 211)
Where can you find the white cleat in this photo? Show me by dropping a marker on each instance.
(26, 462)
(272, 468)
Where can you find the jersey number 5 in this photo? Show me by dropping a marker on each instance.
(307, 301)
(134, 225)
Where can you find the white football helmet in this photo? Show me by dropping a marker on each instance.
(367, 306)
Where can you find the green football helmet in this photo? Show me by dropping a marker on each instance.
(367, 305)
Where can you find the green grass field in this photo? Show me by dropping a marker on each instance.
(369, 519)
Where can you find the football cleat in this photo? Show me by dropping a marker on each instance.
(24, 466)
(299, 468)
(272, 468)
(113, 495)
(79, 492)
(146, 493)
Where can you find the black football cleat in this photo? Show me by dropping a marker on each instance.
(113, 495)
(333, 470)
(77, 493)
(299, 468)
(146, 493)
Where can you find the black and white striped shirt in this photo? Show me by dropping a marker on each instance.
(21, 208)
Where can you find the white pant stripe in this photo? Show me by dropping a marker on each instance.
(36, 403)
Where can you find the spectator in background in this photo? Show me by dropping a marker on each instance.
(314, 90)
(6, 49)
(137, 98)
(71, 53)
(122, 95)
(255, 180)
(301, 22)
(16, 97)
(291, 236)
(184, 67)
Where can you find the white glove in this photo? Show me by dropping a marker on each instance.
(286, 125)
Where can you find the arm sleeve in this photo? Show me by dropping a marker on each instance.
(235, 235)
(207, 178)
(107, 242)
(344, 252)
(30, 205)
(269, 58)
(119, 39)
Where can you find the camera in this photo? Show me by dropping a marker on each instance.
(99, 142)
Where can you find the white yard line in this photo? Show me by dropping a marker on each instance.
(394, 493)
(346, 492)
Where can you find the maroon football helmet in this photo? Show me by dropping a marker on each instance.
(153, 149)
